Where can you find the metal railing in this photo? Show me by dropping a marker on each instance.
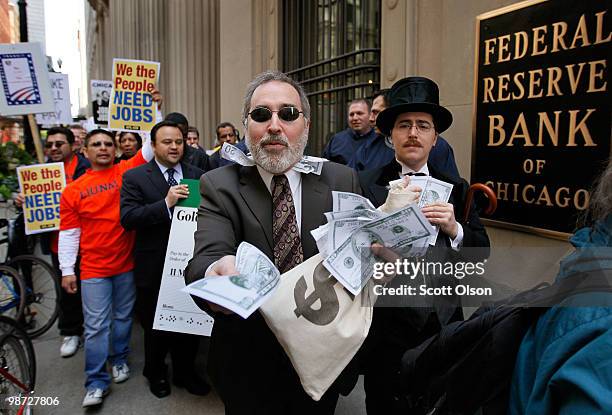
(332, 47)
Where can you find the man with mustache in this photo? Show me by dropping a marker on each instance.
(274, 208)
(59, 148)
(342, 147)
(378, 150)
(413, 120)
(89, 226)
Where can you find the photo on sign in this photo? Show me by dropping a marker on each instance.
(25, 81)
(19, 79)
(100, 93)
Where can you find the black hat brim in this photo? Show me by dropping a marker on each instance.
(386, 118)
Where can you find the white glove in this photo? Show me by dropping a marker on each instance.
(401, 194)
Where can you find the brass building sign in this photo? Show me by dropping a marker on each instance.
(541, 126)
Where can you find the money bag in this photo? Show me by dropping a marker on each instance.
(319, 324)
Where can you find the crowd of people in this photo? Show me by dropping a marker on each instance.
(115, 222)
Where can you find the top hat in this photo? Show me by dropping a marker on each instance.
(414, 94)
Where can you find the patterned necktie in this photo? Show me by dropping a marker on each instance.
(171, 180)
(287, 244)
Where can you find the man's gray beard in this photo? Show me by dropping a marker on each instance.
(277, 163)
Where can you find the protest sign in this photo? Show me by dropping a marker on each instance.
(25, 80)
(176, 310)
(132, 107)
(100, 92)
(61, 97)
(42, 186)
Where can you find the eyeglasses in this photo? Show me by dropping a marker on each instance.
(102, 143)
(56, 144)
(421, 126)
(263, 114)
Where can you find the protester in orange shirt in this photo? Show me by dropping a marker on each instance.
(59, 148)
(89, 215)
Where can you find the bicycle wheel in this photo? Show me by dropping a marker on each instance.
(12, 327)
(12, 293)
(17, 366)
(42, 293)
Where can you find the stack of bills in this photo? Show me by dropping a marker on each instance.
(354, 225)
(432, 191)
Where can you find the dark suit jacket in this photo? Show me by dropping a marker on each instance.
(196, 157)
(246, 363)
(396, 329)
(374, 185)
(144, 210)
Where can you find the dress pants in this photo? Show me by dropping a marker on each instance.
(158, 343)
(70, 319)
(253, 375)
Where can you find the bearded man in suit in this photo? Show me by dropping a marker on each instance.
(274, 208)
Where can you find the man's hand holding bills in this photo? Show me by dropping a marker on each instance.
(254, 281)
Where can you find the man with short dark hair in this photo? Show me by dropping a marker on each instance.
(274, 208)
(148, 195)
(342, 147)
(193, 156)
(79, 137)
(226, 133)
(59, 149)
(193, 137)
(89, 216)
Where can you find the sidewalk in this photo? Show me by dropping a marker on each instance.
(63, 378)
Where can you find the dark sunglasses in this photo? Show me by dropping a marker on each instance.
(263, 114)
(56, 144)
(101, 143)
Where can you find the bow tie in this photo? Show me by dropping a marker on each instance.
(415, 174)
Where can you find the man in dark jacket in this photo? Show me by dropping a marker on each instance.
(148, 195)
(59, 149)
(413, 120)
(378, 151)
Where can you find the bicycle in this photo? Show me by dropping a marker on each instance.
(17, 368)
(41, 289)
(12, 293)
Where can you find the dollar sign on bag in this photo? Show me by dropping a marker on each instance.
(323, 291)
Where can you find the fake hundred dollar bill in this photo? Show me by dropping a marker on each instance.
(432, 191)
(307, 164)
(352, 262)
(343, 201)
(243, 293)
